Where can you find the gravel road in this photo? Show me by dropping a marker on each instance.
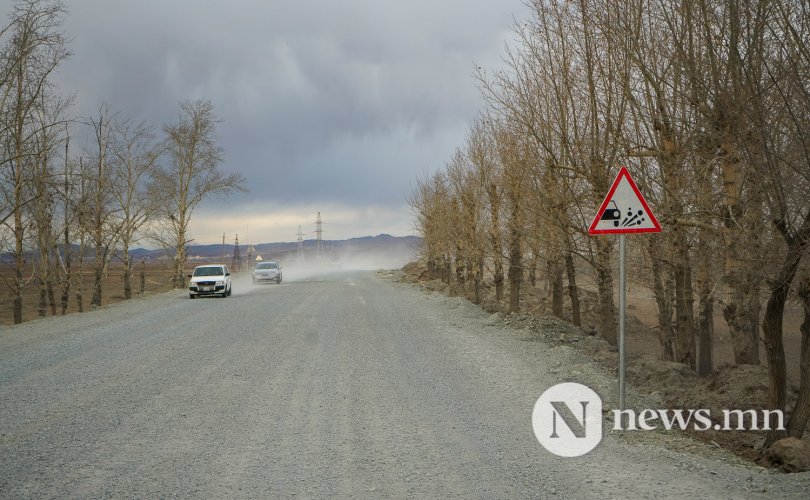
(339, 385)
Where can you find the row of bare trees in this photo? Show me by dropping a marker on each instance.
(63, 212)
(708, 104)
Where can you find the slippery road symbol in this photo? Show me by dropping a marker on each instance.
(624, 210)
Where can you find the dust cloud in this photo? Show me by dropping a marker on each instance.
(332, 263)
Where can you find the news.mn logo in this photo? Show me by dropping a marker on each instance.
(567, 419)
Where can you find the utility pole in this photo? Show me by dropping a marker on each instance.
(236, 263)
(224, 250)
(318, 238)
(300, 257)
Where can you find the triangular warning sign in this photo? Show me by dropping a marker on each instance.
(624, 210)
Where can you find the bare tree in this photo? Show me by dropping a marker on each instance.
(488, 170)
(135, 154)
(81, 208)
(192, 175)
(44, 191)
(34, 47)
(101, 217)
(775, 144)
(468, 230)
(65, 257)
(513, 156)
(430, 202)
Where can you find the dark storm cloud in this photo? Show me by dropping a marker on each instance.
(334, 101)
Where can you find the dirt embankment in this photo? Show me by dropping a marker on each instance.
(672, 385)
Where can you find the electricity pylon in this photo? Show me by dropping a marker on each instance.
(236, 263)
(300, 256)
(318, 238)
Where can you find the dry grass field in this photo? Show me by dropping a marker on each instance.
(157, 279)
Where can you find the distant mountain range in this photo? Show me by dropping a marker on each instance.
(370, 252)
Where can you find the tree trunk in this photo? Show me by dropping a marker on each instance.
(143, 277)
(738, 315)
(663, 299)
(469, 270)
(684, 332)
(127, 272)
(515, 270)
(498, 281)
(495, 240)
(19, 263)
(801, 412)
(42, 282)
(740, 309)
(42, 309)
(180, 261)
(459, 267)
(773, 322)
(98, 274)
(80, 281)
(65, 298)
(604, 283)
(479, 277)
(555, 274)
(705, 321)
(127, 283)
(51, 298)
(705, 331)
(573, 293)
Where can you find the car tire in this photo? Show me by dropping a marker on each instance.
(230, 291)
(278, 281)
(192, 296)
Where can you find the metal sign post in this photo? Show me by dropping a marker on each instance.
(622, 309)
(623, 211)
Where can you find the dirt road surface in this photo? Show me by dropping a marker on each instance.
(338, 385)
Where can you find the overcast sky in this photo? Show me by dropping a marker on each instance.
(333, 105)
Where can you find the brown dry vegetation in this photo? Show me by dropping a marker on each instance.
(157, 279)
(707, 104)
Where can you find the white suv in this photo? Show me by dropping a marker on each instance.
(212, 279)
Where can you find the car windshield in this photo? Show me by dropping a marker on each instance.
(208, 271)
(267, 265)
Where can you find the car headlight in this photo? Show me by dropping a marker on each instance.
(220, 282)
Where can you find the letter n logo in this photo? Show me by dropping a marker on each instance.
(567, 419)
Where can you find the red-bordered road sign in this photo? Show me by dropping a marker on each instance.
(624, 210)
